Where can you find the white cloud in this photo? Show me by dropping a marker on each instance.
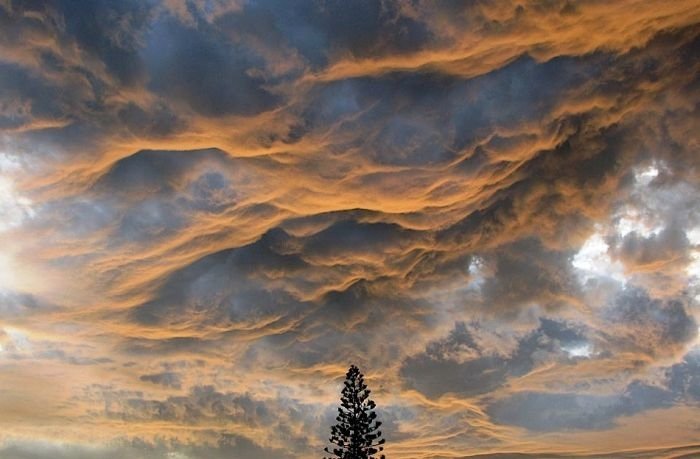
(593, 260)
(693, 235)
(582, 350)
(646, 176)
(14, 208)
(631, 220)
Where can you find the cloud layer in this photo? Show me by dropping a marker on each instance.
(210, 208)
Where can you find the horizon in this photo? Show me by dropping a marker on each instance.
(209, 209)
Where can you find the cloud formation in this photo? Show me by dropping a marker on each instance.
(210, 208)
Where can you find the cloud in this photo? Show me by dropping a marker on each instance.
(542, 411)
(202, 69)
(491, 207)
(525, 272)
(649, 325)
(239, 423)
(167, 379)
(227, 446)
(553, 412)
(683, 377)
(15, 303)
(457, 364)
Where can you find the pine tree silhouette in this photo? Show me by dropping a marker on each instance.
(357, 434)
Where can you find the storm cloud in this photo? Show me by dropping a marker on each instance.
(210, 208)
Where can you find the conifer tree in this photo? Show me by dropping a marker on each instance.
(357, 434)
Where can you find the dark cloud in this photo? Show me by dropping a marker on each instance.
(435, 375)
(323, 31)
(29, 99)
(555, 412)
(667, 248)
(425, 118)
(491, 207)
(458, 364)
(526, 273)
(167, 379)
(227, 287)
(111, 32)
(649, 325)
(201, 68)
(684, 377)
(243, 285)
(562, 411)
(149, 172)
(158, 121)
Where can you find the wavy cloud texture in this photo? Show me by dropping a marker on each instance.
(210, 208)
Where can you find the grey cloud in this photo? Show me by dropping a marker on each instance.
(358, 238)
(231, 285)
(542, 411)
(662, 251)
(15, 303)
(61, 91)
(79, 216)
(167, 379)
(677, 452)
(512, 95)
(153, 194)
(229, 445)
(149, 220)
(203, 402)
(555, 412)
(213, 192)
(62, 355)
(420, 119)
(684, 377)
(18, 346)
(157, 121)
(28, 98)
(526, 272)
(200, 67)
(322, 31)
(38, 450)
(510, 169)
(148, 196)
(152, 171)
(137, 347)
(226, 285)
(110, 31)
(290, 420)
(649, 325)
(457, 364)
(435, 378)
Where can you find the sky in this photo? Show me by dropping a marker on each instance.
(209, 209)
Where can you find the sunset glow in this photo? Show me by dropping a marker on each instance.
(210, 209)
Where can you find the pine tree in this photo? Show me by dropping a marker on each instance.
(357, 434)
